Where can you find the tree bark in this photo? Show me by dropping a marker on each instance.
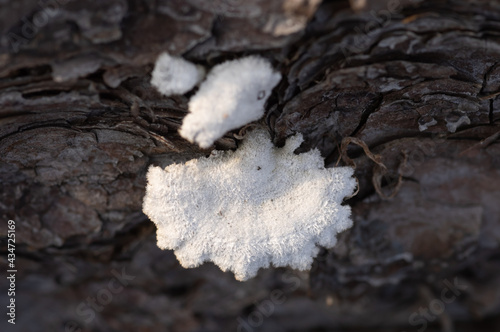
(417, 83)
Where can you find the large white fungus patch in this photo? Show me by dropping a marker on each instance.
(250, 208)
(233, 95)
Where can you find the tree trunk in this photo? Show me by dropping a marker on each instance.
(416, 83)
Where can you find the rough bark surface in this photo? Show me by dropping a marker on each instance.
(417, 81)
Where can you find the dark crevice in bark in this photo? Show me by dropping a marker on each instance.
(373, 107)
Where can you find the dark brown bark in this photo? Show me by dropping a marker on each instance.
(418, 82)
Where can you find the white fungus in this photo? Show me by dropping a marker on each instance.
(247, 209)
(425, 122)
(174, 75)
(233, 95)
(455, 121)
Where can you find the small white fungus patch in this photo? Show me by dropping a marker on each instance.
(175, 76)
(453, 122)
(425, 122)
(247, 209)
(233, 95)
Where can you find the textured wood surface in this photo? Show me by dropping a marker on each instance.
(417, 81)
